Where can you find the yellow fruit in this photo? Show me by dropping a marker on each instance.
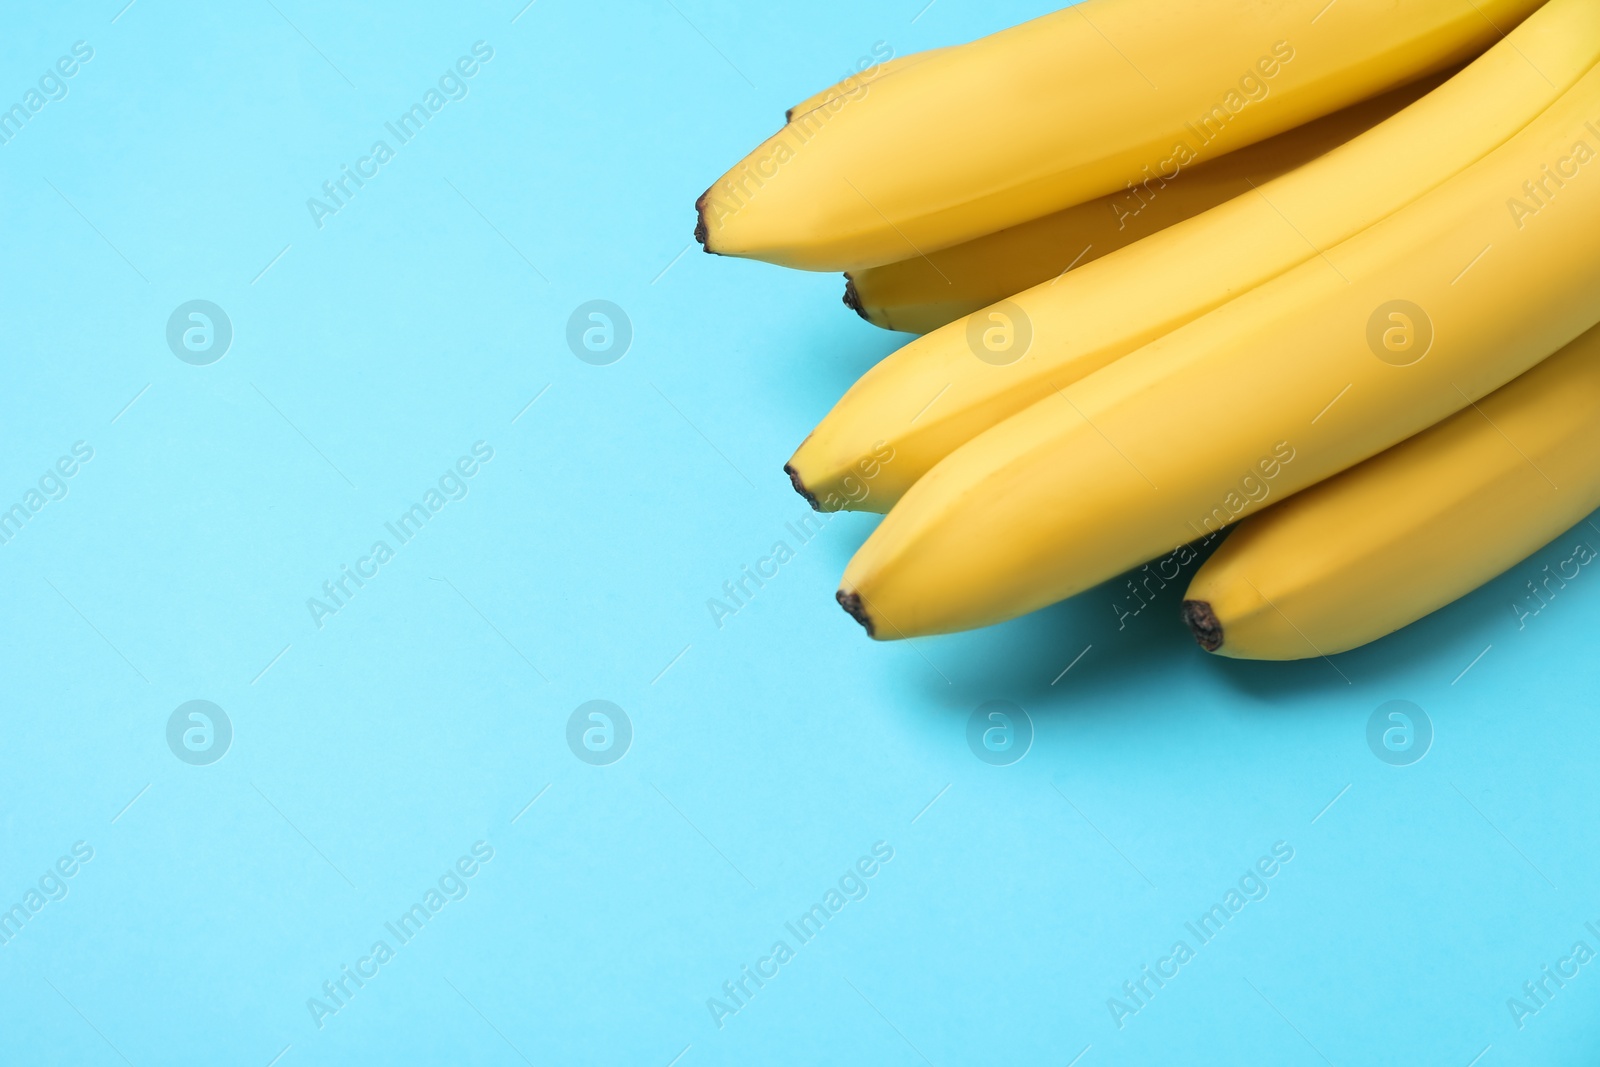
(1067, 108)
(935, 394)
(1320, 368)
(1403, 534)
(921, 294)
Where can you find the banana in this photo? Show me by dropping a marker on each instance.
(935, 394)
(923, 293)
(1370, 342)
(1403, 534)
(1066, 108)
(854, 87)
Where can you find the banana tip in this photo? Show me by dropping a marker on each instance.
(1203, 623)
(852, 298)
(851, 602)
(702, 231)
(800, 487)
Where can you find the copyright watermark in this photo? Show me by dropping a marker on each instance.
(599, 732)
(599, 332)
(199, 332)
(1000, 334)
(999, 733)
(1400, 333)
(199, 733)
(1399, 733)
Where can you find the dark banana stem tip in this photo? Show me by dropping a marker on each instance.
(851, 602)
(702, 232)
(1203, 623)
(852, 298)
(800, 487)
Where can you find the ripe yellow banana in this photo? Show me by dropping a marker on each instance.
(1065, 108)
(936, 393)
(1351, 352)
(1403, 534)
(921, 294)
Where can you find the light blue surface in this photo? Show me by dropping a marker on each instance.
(768, 754)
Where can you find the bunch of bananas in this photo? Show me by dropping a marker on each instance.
(1326, 274)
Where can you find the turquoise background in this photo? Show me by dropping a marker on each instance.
(768, 755)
